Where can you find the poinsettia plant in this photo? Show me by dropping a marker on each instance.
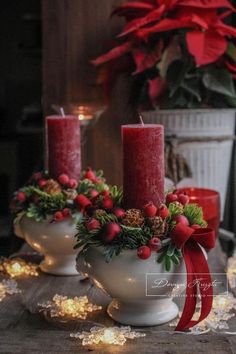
(147, 230)
(45, 198)
(178, 53)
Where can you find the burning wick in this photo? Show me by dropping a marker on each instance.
(141, 120)
(62, 112)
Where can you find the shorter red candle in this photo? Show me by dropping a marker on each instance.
(63, 153)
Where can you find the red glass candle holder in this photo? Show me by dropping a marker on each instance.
(209, 200)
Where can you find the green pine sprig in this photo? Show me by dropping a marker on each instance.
(116, 194)
(194, 214)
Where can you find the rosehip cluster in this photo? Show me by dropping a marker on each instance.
(65, 181)
(150, 210)
(61, 215)
(90, 175)
(177, 196)
(144, 252)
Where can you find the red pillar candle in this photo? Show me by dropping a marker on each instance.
(143, 164)
(63, 153)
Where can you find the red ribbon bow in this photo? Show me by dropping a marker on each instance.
(198, 274)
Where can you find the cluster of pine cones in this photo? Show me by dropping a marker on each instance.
(135, 218)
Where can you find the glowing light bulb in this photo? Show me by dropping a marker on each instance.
(108, 336)
(18, 267)
(64, 307)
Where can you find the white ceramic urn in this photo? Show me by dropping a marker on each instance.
(141, 290)
(55, 241)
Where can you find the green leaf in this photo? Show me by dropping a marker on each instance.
(170, 54)
(220, 81)
(161, 257)
(178, 253)
(175, 75)
(171, 250)
(231, 101)
(167, 263)
(231, 51)
(192, 87)
(175, 259)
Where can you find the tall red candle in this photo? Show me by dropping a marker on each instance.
(63, 153)
(143, 164)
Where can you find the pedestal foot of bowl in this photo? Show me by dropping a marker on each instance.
(143, 313)
(59, 265)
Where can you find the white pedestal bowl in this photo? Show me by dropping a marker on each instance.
(55, 241)
(141, 289)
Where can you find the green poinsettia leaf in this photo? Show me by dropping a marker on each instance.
(175, 75)
(231, 101)
(220, 81)
(193, 88)
(231, 51)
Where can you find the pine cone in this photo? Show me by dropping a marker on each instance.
(52, 187)
(133, 218)
(99, 212)
(158, 225)
(70, 194)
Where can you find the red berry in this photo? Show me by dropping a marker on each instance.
(105, 193)
(164, 212)
(93, 193)
(89, 174)
(155, 244)
(119, 212)
(93, 224)
(63, 179)
(181, 219)
(195, 226)
(82, 201)
(183, 199)
(72, 183)
(144, 252)
(42, 182)
(107, 203)
(171, 197)
(150, 210)
(66, 212)
(111, 231)
(21, 197)
(58, 216)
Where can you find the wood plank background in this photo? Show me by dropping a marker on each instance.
(74, 32)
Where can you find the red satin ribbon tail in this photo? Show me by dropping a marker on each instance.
(201, 280)
(191, 295)
(205, 286)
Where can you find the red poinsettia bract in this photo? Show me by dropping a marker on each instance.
(199, 22)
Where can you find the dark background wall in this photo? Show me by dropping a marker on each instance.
(74, 32)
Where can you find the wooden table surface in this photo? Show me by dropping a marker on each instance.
(23, 330)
